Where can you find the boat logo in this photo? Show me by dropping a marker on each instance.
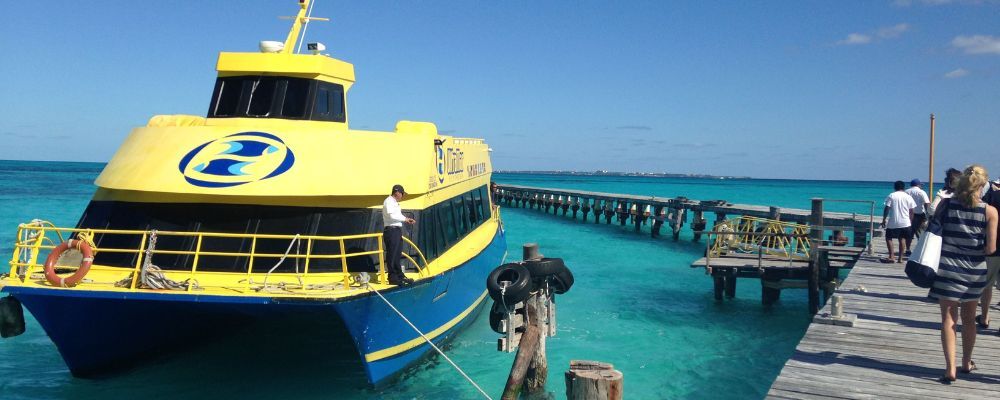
(236, 159)
(440, 164)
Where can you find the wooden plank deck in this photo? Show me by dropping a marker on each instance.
(892, 352)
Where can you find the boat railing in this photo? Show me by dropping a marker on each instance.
(38, 238)
(752, 234)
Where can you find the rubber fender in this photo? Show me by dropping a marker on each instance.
(11, 317)
(544, 267)
(497, 315)
(518, 288)
(562, 281)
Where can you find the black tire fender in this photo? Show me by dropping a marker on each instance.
(518, 289)
(562, 281)
(545, 267)
(497, 315)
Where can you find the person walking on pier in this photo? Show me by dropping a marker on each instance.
(950, 181)
(969, 233)
(920, 213)
(899, 212)
(992, 198)
(393, 219)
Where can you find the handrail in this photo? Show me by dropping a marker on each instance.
(760, 234)
(32, 240)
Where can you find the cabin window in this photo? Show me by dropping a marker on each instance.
(262, 93)
(227, 97)
(258, 96)
(444, 224)
(295, 99)
(329, 102)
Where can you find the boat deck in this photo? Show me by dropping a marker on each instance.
(892, 352)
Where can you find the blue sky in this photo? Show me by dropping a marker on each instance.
(797, 89)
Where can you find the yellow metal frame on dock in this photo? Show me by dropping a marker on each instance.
(794, 244)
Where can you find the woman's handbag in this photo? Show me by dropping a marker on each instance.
(922, 265)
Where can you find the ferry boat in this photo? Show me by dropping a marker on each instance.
(267, 208)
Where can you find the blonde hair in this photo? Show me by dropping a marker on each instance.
(970, 183)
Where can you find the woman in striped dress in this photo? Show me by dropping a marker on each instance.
(970, 231)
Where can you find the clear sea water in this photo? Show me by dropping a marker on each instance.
(636, 304)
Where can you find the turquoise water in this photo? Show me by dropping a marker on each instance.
(636, 304)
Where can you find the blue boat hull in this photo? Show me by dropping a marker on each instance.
(101, 332)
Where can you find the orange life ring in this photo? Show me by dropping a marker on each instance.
(72, 280)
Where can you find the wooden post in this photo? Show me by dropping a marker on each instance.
(525, 352)
(718, 282)
(699, 224)
(930, 166)
(592, 380)
(774, 213)
(769, 291)
(731, 283)
(654, 231)
(816, 235)
(538, 369)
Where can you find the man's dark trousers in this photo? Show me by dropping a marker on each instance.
(391, 237)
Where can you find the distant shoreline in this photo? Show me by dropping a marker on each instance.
(634, 174)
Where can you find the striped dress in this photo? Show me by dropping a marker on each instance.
(962, 271)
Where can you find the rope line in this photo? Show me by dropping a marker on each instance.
(430, 343)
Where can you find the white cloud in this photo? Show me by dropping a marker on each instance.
(883, 33)
(856, 38)
(977, 44)
(958, 73)
(893, 31)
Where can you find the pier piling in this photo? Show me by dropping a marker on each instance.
(593, 380)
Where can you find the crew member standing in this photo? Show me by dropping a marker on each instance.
(920, 213)
(393, 219)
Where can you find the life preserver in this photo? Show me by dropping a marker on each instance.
(72, 280)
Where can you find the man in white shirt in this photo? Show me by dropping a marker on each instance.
(920, 213)
(392, 235)
(899, 212)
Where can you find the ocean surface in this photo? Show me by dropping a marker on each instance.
(636, 304)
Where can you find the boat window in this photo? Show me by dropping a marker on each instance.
(322, 102)
(444, 224)
(329, 103)
(296, 96)
(262, 95)
(227, 97)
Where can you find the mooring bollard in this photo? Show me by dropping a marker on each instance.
(593, 380)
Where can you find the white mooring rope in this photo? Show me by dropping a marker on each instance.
(430, 343)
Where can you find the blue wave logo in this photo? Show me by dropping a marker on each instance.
(440, 164)
(237, 159)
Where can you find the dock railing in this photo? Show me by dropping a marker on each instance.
(752, 234)
(38, 237)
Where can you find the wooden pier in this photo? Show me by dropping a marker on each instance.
(673, 212)
(789, 263)
(893, 350)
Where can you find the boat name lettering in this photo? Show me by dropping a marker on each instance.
(476, 169)
(454, 162)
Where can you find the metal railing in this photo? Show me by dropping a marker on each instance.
(752, 234)
(38, 237)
